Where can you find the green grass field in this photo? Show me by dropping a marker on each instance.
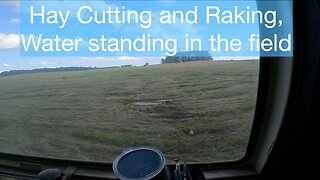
(198, 112)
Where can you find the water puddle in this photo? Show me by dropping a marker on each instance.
(155, 103)
(146, 103)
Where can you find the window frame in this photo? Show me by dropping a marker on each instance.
(260, 144)
(250, 164)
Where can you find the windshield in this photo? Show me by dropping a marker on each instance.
(195, 105)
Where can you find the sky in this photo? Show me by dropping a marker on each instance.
(15, 20)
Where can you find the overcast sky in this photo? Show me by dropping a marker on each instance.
(10, 21)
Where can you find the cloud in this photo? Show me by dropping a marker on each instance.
(15, 4)
(116, 58)
(9, 3)
(9, 41)
(222, 58)
(14, 21)
(43, 63)
(116, 61)
(6, 65)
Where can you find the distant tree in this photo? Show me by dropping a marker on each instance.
(146, 64)
(187, 56)
(125, 66)
(163, 60)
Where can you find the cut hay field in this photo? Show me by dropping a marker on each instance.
(198, 112)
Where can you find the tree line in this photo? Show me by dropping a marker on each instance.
(42, 70)
(187, 56)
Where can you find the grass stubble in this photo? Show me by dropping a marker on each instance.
(198, 111)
